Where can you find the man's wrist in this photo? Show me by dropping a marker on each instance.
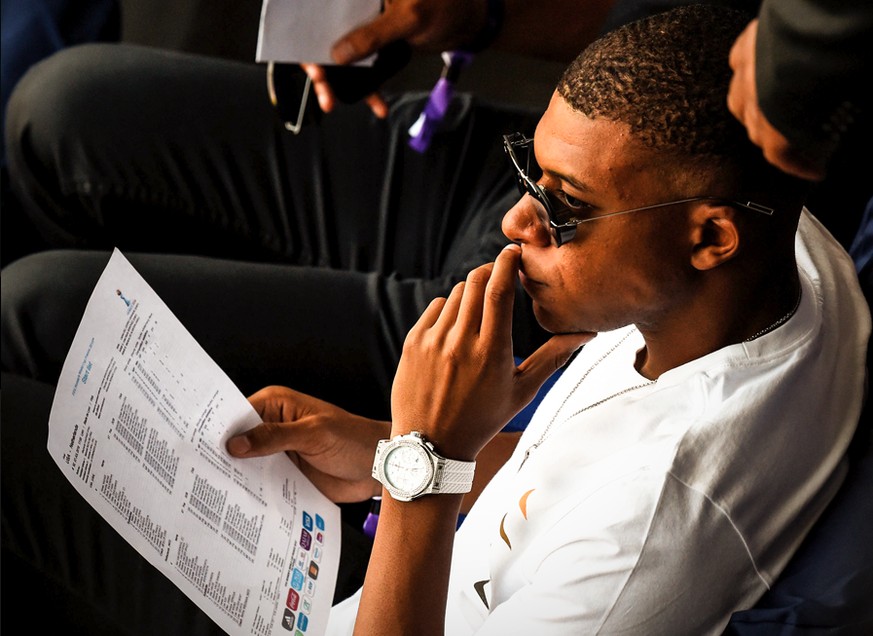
(409, 467)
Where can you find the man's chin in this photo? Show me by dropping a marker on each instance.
(557, 325)
(549, 321)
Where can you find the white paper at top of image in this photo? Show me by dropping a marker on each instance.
(139, 424)
(305, 30)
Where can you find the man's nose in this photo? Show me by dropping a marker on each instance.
(526, 223)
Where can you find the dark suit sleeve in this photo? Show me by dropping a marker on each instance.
(814, 64)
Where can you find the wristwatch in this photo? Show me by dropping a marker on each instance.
(409, 467)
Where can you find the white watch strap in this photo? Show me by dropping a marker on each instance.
(456, 477)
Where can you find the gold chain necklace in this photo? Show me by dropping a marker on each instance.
(548, 428)
(783, 319)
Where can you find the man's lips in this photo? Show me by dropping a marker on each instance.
(527, 282)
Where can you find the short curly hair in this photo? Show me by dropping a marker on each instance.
(667, 77)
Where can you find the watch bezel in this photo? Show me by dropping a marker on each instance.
(445, 476)
(427, 478)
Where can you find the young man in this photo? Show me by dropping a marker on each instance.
(683, 455)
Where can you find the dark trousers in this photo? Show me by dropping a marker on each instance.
(147, 150)
(296, 260)
(331, 242)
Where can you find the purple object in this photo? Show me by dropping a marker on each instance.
(438, 102)
(372, 519)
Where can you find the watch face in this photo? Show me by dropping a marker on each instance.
(408, 468)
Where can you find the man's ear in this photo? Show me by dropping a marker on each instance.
(715, 236)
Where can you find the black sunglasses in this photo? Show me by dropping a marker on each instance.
(562, 215)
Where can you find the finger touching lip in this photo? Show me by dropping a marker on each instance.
(529, 284)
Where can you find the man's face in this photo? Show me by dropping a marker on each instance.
(616, 271)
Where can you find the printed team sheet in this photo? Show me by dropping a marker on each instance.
(304, 30)
(138, 425)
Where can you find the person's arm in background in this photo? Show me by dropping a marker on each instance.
(802, 75)
(549, 29)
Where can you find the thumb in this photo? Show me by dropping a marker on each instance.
(367, 39)
(550, 357)
(265, 439)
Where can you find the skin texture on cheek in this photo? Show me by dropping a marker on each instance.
(576, 292)
(628, 271)
(615, 271)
